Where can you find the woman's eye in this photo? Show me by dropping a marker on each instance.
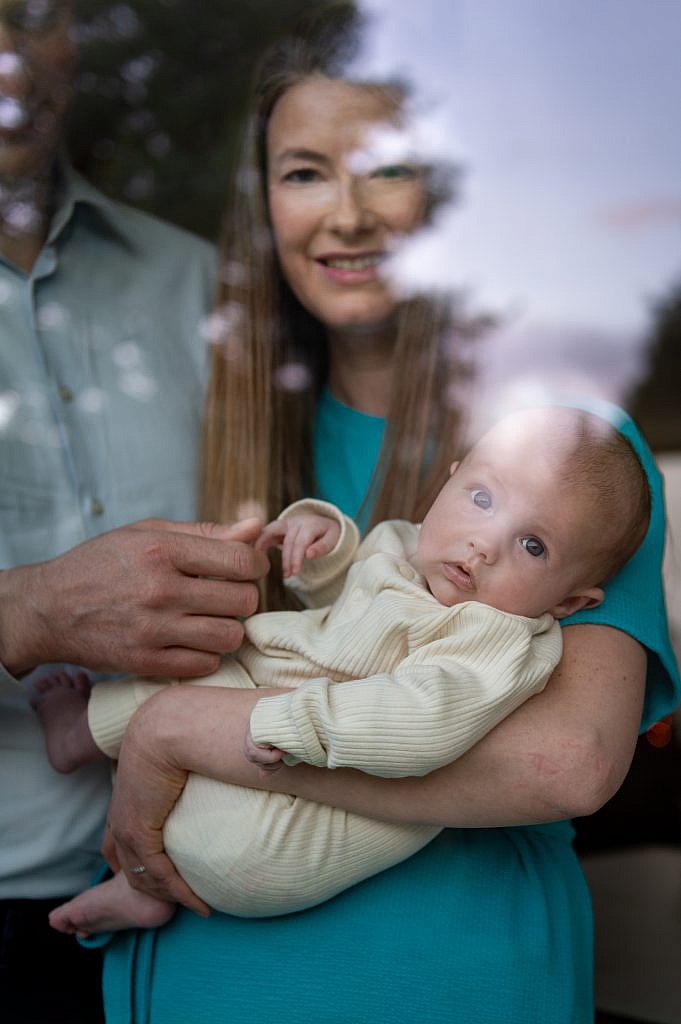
(302, 175)
(483, 499)
(533, 546)
(394, 171)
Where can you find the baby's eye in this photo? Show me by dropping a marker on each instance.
(533, 546)
(302, 175)
(393, 171)
(483, 499)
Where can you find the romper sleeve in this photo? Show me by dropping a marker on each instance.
(439, 701)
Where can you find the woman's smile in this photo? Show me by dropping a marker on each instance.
(352, 268)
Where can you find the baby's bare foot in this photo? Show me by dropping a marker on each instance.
(60, 702)
(108, 908)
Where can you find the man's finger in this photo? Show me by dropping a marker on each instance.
(243, 530)
(273, 533)
(210, 549)
(177, 661)
(223, 559)
(215, 598)
(246, 530)
(205, 633)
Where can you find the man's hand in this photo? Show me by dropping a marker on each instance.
(300, 537)
(155, 598)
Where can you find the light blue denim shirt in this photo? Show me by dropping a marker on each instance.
(102, 371)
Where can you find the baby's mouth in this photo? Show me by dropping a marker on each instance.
(459, 574)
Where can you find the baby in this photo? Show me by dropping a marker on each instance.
(415, 643)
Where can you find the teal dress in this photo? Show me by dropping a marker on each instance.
(482, 925)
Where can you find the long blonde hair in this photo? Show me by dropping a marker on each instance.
(269, 358)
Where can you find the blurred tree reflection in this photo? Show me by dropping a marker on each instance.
(161, 94)
(655, 403)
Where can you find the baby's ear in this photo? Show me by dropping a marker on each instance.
(453, 468)
(590, 597)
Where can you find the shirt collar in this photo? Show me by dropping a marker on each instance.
(74, 191)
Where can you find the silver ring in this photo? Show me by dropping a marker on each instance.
(139, 870)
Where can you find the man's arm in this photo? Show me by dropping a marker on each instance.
(563, 753)
(154, 598)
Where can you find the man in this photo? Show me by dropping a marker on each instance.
(100, 401)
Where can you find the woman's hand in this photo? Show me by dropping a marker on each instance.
(146, 789)
(178, 730)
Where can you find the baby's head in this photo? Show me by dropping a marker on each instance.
(543, 511)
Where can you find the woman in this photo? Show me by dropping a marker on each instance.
(491, 921)
(318, 318)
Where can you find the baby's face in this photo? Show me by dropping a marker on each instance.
(506, 531)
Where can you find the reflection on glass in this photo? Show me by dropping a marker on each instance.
(554, 123)
(501, 180)
(570, 207)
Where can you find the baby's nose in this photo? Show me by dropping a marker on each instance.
(484, 547)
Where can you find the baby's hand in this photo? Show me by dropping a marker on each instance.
(300, 537)
(269, 758)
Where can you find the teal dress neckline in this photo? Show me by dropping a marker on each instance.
(347, 446)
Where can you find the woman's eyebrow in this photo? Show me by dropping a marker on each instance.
(301, 154)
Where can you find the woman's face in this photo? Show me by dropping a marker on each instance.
(338, 204)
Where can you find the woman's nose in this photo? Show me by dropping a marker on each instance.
(350, 213)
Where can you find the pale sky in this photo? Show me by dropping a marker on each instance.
(565, 115)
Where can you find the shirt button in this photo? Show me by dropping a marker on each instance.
(65, 393)
(96, 507)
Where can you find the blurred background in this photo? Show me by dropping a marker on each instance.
(563, 237)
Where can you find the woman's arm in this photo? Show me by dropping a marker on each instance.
(424, 713)
(563, 753)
